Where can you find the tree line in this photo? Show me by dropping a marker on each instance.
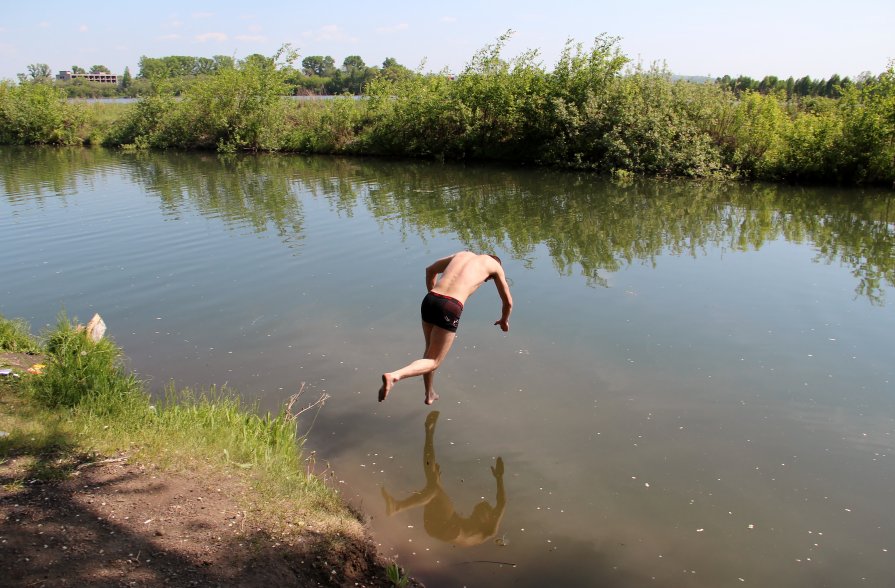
(319, 75)
(594, 110)
(84, 88)
(793, 88)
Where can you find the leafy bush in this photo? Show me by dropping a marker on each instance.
(37, 113)
(757, 135)
(576, 97)
(850, 140)
(325, 126)
(867, 144)
(238, 108)
(809, 152)
(643, 126)
(500, 103)
(415, 115)
(149, 123)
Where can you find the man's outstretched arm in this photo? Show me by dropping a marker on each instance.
(503, 290)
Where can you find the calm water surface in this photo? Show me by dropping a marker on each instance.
(696, 390)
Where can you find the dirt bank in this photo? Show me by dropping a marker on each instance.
(72, 519)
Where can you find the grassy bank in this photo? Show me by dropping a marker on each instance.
(84, 406)
(593, 110)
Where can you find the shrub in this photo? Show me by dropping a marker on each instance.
(415, 115)
(82, 373)
(757, 134)
(501, 102)
(867, 143)
(148, 124)
(38, 113)
(809, 152)
(576, 92)
(641, 123)
(235, 109)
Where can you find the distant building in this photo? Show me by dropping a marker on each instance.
(103, 78)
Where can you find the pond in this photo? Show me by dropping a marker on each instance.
(697, 388)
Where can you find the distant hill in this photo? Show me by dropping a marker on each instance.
(694, 79)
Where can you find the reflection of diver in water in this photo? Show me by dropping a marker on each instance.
(439, 517)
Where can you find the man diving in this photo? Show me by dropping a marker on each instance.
(461, 275)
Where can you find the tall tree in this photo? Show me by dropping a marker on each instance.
(355, 74)
(223, 62)
(95, 69)
(258, 60)
(802, 87)
(767, 84)
(204, 65)
(78, 69)
(393, 70)
(126, 80)
(39, 72)
(318, 65)
(353, 63)
(832, 87)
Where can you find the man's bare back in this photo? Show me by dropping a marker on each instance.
(462, 274)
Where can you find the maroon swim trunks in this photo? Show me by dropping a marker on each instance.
(441, 311)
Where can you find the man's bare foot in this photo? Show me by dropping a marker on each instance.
(431, 397)
(388, 381)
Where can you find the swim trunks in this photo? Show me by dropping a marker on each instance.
(441, 311)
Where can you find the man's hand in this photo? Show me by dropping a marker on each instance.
(504, 324)
(497, 469)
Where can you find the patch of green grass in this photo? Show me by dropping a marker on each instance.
(396, 575)
(43, 442)
(87, 375)
(103, 116)
(86, 403)
(106, 113)
(217, 426)
(16, 337)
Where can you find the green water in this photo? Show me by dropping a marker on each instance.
(696, 388)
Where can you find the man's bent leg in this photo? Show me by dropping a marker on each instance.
(428, 377)
(389, 379)
(439, 342)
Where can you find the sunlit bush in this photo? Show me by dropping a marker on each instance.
(37, 113)
(238, 108)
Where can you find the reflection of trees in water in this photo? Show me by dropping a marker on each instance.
(254, 191)
(37, 173)
(597, 226)
(584, 222)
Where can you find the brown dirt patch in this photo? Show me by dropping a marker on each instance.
(19, 362)
(115, 523)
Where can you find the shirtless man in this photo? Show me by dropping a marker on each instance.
(461, 275)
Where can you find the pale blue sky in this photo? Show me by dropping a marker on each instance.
(693, 37)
